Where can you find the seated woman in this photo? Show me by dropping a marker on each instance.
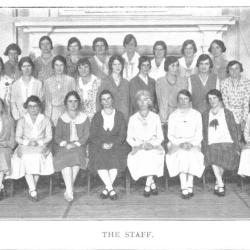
(145, 137)
(184, 157)
(220, 144)
(7, 143)
(33, 133)
(107, 148)
(71, 135)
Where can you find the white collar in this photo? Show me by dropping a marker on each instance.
(100, 63)
(25, 83)
(81, 118)
(153, 63)
(134, 58)
(183, 64)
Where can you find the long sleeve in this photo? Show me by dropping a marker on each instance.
(189, 85)
(94, 136)
(47, 99)
(117, 140)
(157, 140)
(171, 131)
(224, 92)
(247, 130)
(246, 106)
(14, 108)
(48, 133)
(85, 135)
(132, 140)
(196, 140)
(59, 132)
(217, 83)
(20, 133)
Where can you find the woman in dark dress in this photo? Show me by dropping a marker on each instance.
(107, 148)
(71, 135)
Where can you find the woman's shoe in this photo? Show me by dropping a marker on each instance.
(33, 196)
(104, 194)
(113, 195)
(147, 191)
(184, 194)
(154, 189)
(190, 192)
(221, 191)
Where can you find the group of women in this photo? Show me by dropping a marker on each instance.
(106, 113)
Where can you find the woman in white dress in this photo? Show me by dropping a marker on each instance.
(157, 63)
(32, 157)
(189, 59)
(184, 157)
(145, 137)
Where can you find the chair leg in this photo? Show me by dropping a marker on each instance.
(128, 182)
(89, 182)
(50, 185)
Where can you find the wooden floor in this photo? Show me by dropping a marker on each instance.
(168, 205)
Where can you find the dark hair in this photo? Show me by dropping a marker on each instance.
(12, 46)
(219, 43)
(143, 59)
(104, 92)
(72, 93)
(128, 38)
(2, 66)
(45, 38)
(100, 39)
(3, 106)
(112, 59)
(59, 58)
(28, 60)
(162, 44)
(186, 43)
(186, 93)
(74, 40)
(168, 61)
(33, 98)
(83, 61)
(204, 57)
(215, 92)
(232, 63)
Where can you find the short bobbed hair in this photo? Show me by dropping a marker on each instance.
(105, 92)
(35, 99)
(28, 60)
(112, 59)
(214, 92)
(168, 61)
(59, 58)
(232, 63)
(144, 93)
(13, 46)
(100, 39)
(219, 43)
(45, 38)
(76, 95)
(74, 40)
(128, 38)
(2, 66)
(143, 59)
(204, 57)
(162, 44)
(184, 92)
(186, 43)
(82, 62)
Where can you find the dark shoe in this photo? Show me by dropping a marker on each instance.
(104, 194)
(154, 190)
(221, 191)
(184, 194)
(3, 194)
(190, 192)
(147, 192)
(33, 198)
(113, 195)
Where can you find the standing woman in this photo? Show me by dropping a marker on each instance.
(32, 157)
(235, 91)
(5, 87)
(220, 142)
(131, 57)
(87, 86)
(71, 135)
(184, 156)
(107, 148)
(201, 82)
(7, 143)
(43, 63)
(55, 89)
(24, 87)
(74, 47)
(117, 85)
(11, 66)
(145, 137)
(142, 82)
(157, 63)
(99, 62)
(217, 49)
(188, 60)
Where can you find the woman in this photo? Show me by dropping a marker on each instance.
(24, 87)
(167, 88)
(117, 85)
(244, 167)
(33, 134)
(55, 89)
(220, 144)
(188, 60)
(72, 132)
(107, 148)
(184, 156)
(145, 137)
(43, 63)
(157, 63)
(7, 143)
(99, 62)
(201, 82)
(235, 93)
(142, 82)
(131, 57)
(74, 47)
(5, 87)
(217, 49)
(11, 66)
(87, 86)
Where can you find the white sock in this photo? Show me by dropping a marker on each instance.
(183, 180)
(104, 175)
(149, 180)
(112, 174)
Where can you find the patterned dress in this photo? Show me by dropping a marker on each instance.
(12, 70)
